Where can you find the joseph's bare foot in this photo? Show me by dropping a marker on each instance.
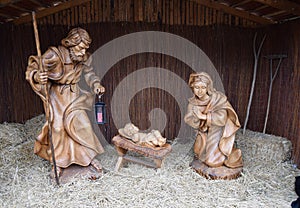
(58, 170)
(96, 164)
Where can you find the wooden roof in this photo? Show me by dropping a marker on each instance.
(259, 11)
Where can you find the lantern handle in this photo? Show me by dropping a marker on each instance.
(99, 96)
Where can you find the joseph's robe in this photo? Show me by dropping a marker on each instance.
(73, 138)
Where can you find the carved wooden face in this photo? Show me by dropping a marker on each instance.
(200, 90)
(80, 49)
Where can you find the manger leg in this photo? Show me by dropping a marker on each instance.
(158, 162)
(121, 151)
(119, 163)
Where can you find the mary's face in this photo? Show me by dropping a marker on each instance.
(200, 90)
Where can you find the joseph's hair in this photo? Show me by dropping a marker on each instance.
(75, 37)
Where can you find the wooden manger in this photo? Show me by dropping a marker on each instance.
(124, 146)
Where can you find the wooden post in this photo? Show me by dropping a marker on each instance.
(272, 78)
(256, 57)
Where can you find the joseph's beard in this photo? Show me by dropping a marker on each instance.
(74, 57)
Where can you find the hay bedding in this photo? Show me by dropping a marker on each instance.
(267, 180)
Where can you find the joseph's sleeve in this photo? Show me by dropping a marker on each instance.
(50, 62)
(89, 74)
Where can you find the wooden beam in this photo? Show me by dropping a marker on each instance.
(260, 8)
(5, 15)
(286, 5)
(275, 13)
(240, 13)
(11, 11)
(6, 2)
(49, 11)
(36, 2)
(240, 3)
(19, 8)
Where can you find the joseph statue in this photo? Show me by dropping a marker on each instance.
(73, 138)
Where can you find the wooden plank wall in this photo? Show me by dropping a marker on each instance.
(171, 12)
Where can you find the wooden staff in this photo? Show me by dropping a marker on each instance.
(48, 117)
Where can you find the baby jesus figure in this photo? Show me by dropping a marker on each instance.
(151, 139)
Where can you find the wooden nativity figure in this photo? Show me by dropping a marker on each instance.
(216, 122)
(73, 139)
(152, 139)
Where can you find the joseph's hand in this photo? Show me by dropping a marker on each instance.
(98, 88)
(41, 77)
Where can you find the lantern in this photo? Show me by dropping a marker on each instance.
(100, 110)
